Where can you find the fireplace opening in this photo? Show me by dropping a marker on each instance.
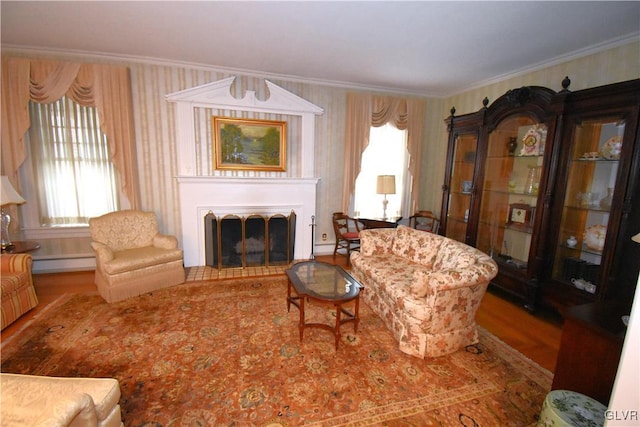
(234, 241)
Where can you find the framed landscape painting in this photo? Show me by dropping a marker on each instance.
(248, 144)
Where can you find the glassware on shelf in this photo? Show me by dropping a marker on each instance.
(533, 180)
(605, 202)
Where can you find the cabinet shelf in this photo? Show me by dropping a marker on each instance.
(582, 248)
(587, 208)
(600, 160)
(512, 193)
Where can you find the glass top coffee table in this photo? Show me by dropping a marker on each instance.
(327, 284)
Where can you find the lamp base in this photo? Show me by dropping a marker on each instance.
(385, 202)
(5, 220)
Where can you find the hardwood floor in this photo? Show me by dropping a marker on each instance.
(535, 336)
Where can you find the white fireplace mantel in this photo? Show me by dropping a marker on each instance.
(243, 195)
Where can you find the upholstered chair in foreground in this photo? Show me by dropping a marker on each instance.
(132, 258)
(18, 293)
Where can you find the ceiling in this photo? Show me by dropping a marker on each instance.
(423, 47)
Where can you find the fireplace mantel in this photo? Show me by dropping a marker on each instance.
(244, 196)
(243, 192)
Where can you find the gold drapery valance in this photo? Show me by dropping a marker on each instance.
(364, 111)
(105, 87)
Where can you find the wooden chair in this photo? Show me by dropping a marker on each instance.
(425, 221)
(347, 232)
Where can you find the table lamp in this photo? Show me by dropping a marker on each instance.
(386, 185)
(8, 196)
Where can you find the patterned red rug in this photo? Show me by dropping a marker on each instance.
(228, 353)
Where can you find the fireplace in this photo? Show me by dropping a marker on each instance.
(203, 189)
(234, 241)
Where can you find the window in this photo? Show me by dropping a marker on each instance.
(386, 154)
(74, 177)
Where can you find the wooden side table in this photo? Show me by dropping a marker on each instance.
(590, 348)
(379, 223)
(21, 246)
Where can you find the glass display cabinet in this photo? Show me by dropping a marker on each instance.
(491, 195)
(585, 217)
(590, 253)
(510, 190)
(458, 189)
(548, 184)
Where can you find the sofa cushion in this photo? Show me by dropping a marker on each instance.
(429, 282)
(416, 246)
(124, 229)
(375, 241)
(456, 255)
(137, 258)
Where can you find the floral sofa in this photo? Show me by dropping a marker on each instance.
(425, 287)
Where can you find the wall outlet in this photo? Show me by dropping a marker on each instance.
(324, 236)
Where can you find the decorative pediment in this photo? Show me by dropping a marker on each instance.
(218, 94)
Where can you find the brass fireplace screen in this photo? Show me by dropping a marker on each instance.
(234, 241)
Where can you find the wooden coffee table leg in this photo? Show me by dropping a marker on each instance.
(357, 313)
(337, 330)
(301, 324)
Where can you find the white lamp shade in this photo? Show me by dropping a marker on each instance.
(636, 238)
(386, 184)
(8, 194)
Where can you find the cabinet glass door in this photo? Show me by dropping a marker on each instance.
(592, 175)
(512, 173)
(459, 202)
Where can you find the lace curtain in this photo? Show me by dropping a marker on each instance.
(364, 111)
(106, 87)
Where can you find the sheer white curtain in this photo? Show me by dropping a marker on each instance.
(75, 178)
(386, 154)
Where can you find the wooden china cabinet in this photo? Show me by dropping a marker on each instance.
(547, 184)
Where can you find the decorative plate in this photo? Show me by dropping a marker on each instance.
(533, 141)
(612, 148)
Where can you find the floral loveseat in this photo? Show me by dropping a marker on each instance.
(425, 287)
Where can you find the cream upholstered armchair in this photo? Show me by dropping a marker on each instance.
(131, 256)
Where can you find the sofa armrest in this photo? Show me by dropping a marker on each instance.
(14, 263)
(428, 282)
(164, 241)
(103, 252)
(376, 241)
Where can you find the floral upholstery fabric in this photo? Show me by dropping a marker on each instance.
(124, 229)
(426, 298)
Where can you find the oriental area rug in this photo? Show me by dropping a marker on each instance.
(227, 353)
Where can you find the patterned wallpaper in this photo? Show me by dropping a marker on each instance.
(156, 126)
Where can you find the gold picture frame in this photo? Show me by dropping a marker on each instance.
(249, 144)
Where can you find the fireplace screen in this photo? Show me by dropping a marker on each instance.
(251, 241)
